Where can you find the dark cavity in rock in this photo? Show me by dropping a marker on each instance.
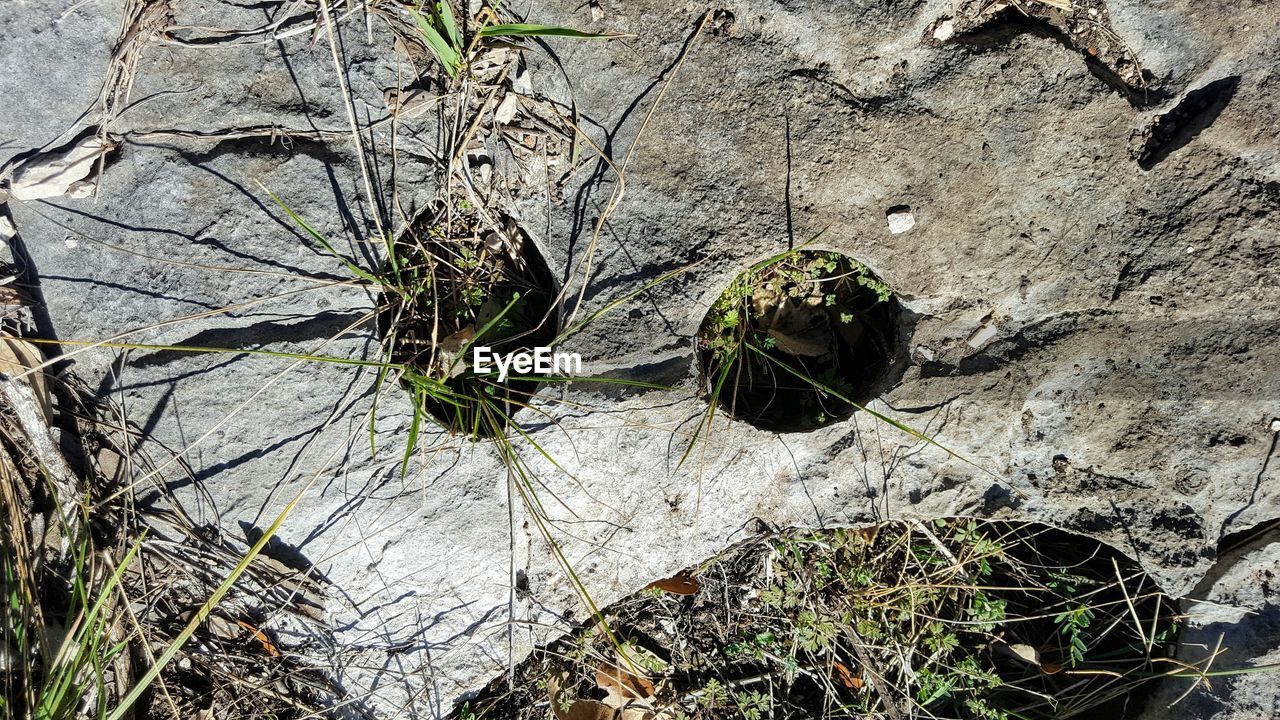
(796, 341)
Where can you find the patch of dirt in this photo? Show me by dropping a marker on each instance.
(798, 341)
(951, 619)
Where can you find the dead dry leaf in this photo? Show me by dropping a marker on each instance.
(586, 710)
(811, 346)
(54, 173)
(1025, 653)
(681, 584)
(846, 677)
(581, 709)
(219, 627)
(800, 328)
(867, 534)
(18, 356)
(261, 637)
(622, 686)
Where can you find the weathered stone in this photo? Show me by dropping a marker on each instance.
(1125, 389)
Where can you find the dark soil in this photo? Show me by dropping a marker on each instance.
(950, 619)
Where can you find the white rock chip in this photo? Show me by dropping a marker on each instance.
(506, 111)
(944, 31)
(983, 335)
(901, 221)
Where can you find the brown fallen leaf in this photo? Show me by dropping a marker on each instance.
(622, 686)
(867, 534)
(579, 709)
(846, 676)
(18, 356)
(814, 344)
(679, 584)
(1050, 668)
(261, 637)
(216, 625)
(800, 328)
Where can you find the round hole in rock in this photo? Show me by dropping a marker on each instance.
(461, 279)
(954, 618)
(797, 339)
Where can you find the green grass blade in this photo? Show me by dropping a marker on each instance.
(373, 411)
(487, 327)
(354, 268)
(201, 614)
(711, 409)
(615, 303)
(413, 432)
(879, 416)
(775, 258)
(516, 426)
(440, 47)
(450, 25)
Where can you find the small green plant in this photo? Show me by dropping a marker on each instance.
(443, 34)
(1074, 625)
(796, 341)
(987, 612)
(753, 704)
(814, 633)
(713, 695)
(898, 622)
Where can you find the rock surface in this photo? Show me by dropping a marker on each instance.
(1124, 387)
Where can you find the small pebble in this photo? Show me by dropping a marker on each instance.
(900, 220)
(982, 336)
(944, 31)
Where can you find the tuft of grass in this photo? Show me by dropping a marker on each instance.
(60, 618)
(822, 309)
(441, 33)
